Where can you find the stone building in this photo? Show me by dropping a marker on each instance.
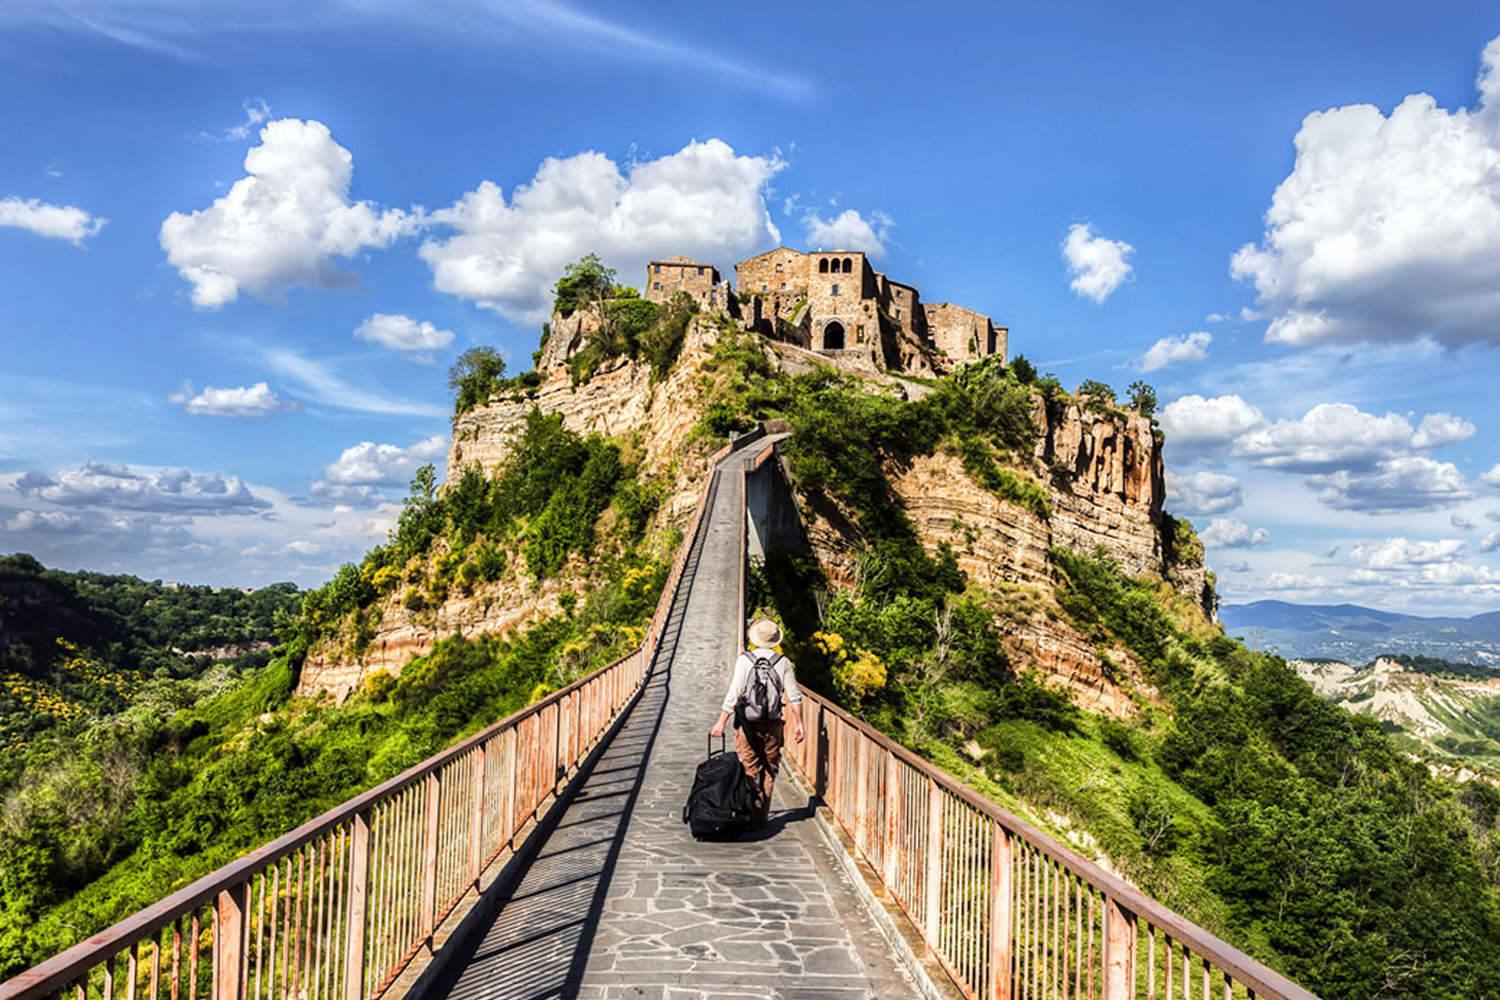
(835, 302)
(665, 278)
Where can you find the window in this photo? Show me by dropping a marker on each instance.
(898, 313)
(656, 285)
(764, 286)
(835, 290)
(700, 271)
(658, 269)
(848, 265)
(783, 286)
(778, 268)
(823, 266)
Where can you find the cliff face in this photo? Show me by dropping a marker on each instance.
(618, 400)
(1104, 480)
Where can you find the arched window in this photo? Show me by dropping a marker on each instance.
(823, 266)
(833, 336)
(848, 265)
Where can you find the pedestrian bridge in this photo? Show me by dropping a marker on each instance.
(545, 857)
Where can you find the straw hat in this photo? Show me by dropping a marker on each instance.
(766, 633)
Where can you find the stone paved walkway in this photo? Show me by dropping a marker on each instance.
(621, 902)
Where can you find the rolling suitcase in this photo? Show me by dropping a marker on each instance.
(722, 802)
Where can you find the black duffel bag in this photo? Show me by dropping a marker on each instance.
(722, 804)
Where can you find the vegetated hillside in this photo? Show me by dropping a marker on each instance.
(1447, 712)
(1356, 634)
(107, 819)
(75, 647)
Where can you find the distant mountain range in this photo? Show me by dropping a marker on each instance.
(1357, 634)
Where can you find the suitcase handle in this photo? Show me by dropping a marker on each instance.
(722, 739)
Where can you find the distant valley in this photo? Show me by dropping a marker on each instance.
(1358, 635)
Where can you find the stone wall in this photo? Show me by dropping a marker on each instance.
(665, 278)
(962, 334)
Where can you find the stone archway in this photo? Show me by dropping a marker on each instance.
(833, 336)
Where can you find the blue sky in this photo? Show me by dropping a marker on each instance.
(240, 243)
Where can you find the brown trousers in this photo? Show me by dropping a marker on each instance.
(759, 746)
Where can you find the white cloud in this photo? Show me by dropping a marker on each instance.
(245, 401)
(1492, 478)
(257, 112)
(1439, 429)
(1402, 553)
(850, 231)
(1193, 422)
(1204, 492)
(416, 339)
(1409, 482)
(1231, 532)
(1491, 542)
(1098, 264)
(1294, 581)
(319, 381)
(1329, 436)
(283, 224)
(703, 200)
(357, 477)
(1170, 350)
(122, 487)
(58, 222)
(1388, 227)
(1460, 522)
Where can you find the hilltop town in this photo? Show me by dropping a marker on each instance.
(835, 303)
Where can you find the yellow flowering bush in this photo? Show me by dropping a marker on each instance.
(857, 673)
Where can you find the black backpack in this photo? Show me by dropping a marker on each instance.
(762, 697)
(722, 804)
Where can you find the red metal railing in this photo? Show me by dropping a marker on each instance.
(339, 907)
(1010, 913)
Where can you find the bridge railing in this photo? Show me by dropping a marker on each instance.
(1009, 912)
(338, 908)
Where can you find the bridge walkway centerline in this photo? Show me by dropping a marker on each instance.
(618, 900)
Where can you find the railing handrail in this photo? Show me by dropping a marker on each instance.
(1264, 981)
(61, 969)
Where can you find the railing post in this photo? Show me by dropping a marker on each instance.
(1119, 951)
(430, 858)
(476, 817)
(1002, 870)
(893, 801)
(359, 892)
(861, 794)
(229, 940)
(934, 886)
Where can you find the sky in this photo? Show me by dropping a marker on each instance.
(241, 243)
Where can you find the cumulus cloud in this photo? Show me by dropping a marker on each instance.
(704, 200)
(1097, 264)
(415, 339)
(1334, 436)
(1402, 562)
(1388, 227)
(1169, 351)
(1491, 542)
(1410, 482)
(1492, 478)
(283, 224)
(1204, 492)
(850, 231)
(1402, 553)
(1194, 422)
(1294, 581)
(1460, 522)
(360, 473)
(245, 401)
(58, 222)
(1232, 533)
(122, 487)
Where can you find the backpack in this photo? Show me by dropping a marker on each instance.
(723, 801)
(761, 699)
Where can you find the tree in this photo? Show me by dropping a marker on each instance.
(1143, 398)
(1094, 389)
(1023, 370)
(584, 281)
(472, 375)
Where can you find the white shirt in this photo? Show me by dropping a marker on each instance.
(783, 668)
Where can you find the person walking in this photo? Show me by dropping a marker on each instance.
(762, 690)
